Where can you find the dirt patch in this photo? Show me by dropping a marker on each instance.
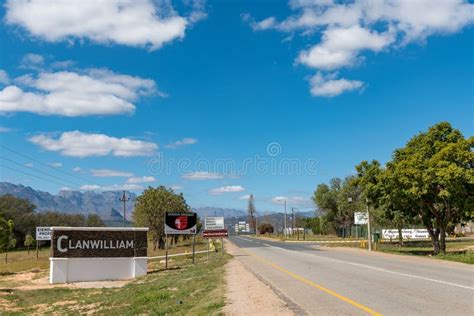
(39, 279)
(246, 294)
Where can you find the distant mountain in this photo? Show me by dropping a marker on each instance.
(217, 211)
(104, 204)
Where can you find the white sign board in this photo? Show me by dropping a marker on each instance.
(43, 233)
(361, 218)
(406, 234)
(214, 223)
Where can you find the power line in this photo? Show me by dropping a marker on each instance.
(46, 165)
(33, 175)
(42, 172)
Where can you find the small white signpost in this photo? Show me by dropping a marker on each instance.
(361, 218)
(214, 223)
(43, 233)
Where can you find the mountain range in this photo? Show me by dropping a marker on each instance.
(105, 204)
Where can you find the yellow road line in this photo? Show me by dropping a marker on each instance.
(311, 283)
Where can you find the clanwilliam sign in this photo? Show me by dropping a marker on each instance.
(97, 253)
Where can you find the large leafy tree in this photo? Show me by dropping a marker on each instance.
(150, 209)
(432, 178)
(337, 203)
(7, 240)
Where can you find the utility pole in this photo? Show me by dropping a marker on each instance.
(284, 232)
(124, 200)
(369, 234)
(293, 221)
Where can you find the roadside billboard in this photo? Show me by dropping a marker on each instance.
(214, 223)
(43, 233)
(406, 234)
(180, 223)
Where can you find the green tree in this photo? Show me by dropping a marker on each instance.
(29, 240)
(432, 178)
(21, 211)
(265, 228)
(150, 209)
(94, 220)
(6, 236)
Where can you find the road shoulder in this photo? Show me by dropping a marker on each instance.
(248, 295)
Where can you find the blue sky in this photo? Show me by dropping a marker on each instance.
(195, 86)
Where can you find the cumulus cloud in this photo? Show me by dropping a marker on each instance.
(183, 142)
(115, 187)
(202, 175)
(346, 29)
(339, 47)
(145, 179)
(4, 129)
(79, 144)
(56, 164)
(77, 169)
(75, 93)
(109, 173)
(328, 86)
(140, 23)
(227, 189)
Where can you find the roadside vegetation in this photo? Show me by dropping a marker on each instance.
(185, 289)
(428, 184)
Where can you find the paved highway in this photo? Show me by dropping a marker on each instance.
(337, 281)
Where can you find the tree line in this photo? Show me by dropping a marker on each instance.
(428, 183)
(19, 219)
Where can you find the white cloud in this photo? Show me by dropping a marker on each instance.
(115, 187)
(340, 47)
(296, 201)
(32, 61)
(109, 173)
(349, 28)
(202, 175)
(329, 87)
(56, 164)
(4, 129)
(4, 78)
(77, 169)
(145, 179)
(244, 197)
(183, 142)
(29, 165)
(176, 187)
(79, 144)
(227, 189)
(141, 23)
(69, 93)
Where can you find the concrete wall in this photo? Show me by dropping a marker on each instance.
(64, 270)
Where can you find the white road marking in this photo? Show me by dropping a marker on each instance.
(379, 269)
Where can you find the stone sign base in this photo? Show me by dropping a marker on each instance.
(64, 270)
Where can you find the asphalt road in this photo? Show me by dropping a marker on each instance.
(336, 281)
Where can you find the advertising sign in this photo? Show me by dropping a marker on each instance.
(215, 233)
(406, 234)
(98, 244)
(180, 223)
(43, 233)
(214, 223)
(361, 218)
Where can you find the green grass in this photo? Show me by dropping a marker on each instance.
(455, 250)
(186, 290)
(20, 260)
